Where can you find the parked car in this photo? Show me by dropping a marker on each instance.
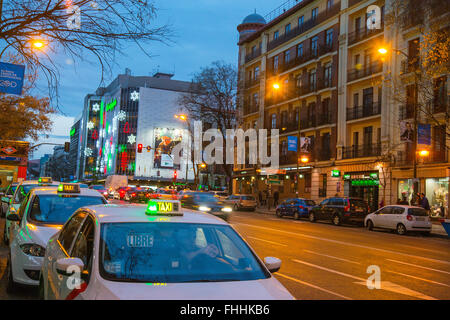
(119, 193)
(401, 218)
(221, 195)
(136, 194)
(241, 201)
(206, 202)
(340, 210)
(296, 207)
(6, 198)
(100, 189)
(167, 194)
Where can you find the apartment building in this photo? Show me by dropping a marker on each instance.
(313, 69)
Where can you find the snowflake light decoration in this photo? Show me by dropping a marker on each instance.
(88, 152)
(90, 125)
(131, 139)
(96, 107)
(121, 115)
(134, 96)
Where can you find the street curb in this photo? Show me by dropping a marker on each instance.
(436, 235)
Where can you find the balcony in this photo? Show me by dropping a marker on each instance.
(253, 55)
(288, 127)
(325, 83)
(408, 66)
(250, 108)
(406, 112)
(363, 34)
(307, 123)
(364, 111)
(252, 82)
(355, 74)
(361, 151)
(324, 154)
(290, 158)
(406, 158)
(307, 25)
(324, 119)
(439, 106)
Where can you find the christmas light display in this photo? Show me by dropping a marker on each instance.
(134, 96)
(90, 125)
(96, 107)
(131, 139)
(121, 115)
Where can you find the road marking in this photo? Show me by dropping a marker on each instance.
(414, 277)
(385, 285)
(346, 243)
(415, 265)
(313, 286)
(325, 255)
(280, 244)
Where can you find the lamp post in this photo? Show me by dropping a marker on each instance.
(184, 118)
(423, 153)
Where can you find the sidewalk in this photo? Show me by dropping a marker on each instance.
(437, 229)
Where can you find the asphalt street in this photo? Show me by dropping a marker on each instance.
(322, 261)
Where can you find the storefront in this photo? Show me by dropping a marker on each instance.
(13, 161)
(436, 190)
(364, 185)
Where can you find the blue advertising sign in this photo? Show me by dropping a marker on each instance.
(424, 134)
(292, 143)
(11, 78)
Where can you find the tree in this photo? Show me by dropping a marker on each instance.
(212, 100)
(24, 116)
(78, 28)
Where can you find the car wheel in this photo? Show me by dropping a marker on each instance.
(401, 229)
(369, 225)
(11, 286)
(336, 220)
(296, 215)
(312, 217)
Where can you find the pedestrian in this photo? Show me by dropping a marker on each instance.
(269, 197)
(275, 198)
(381, 203)
(424, 203)
(265, 198)
(404, 201)
(260, 198)
(399, 201)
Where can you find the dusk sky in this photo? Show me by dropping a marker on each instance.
(205, 31)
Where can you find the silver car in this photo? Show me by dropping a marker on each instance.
(241, 201)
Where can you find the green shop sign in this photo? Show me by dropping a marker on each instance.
(365, 183)
(72, 132)
(335, 173)
(110, 106)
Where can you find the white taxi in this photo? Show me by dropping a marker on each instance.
(158, 251)
(19, 195)
(41, 214)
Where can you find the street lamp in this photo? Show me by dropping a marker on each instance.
(184, 117)
(276, 86)
(38, 44)
(304, 159)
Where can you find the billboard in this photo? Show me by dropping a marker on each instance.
(292, 143)
(424, 135)
(305, 144)
(11, 78)
(165, 140)
(406, 131)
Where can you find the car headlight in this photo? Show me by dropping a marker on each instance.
(202, 208)
(33, 249)
(227, 209)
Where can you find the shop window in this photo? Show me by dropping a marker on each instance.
(437, 194)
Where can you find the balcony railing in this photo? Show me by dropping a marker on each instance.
(290, 158)
(308, 24)
(406, 112)
(307, 123)
(292, 92)
(252, 82)
(324, 118)
(324, 154)
(289, 127)
(408, 66)
(354, 74)
(325, 83)
(406, 158)
(364, 111)
(250, 108)
(366, 150)
(253, 55)
(362, 34)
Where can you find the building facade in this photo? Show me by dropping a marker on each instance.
(313, 71)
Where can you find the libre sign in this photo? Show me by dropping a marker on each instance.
(11, 78)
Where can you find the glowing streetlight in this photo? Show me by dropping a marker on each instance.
(37, 44)
(203, 165)
(276, 86)
(424, 153)
(304, 159)
(182, 117)
(382, 51)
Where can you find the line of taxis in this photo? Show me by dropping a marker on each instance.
(73, 244)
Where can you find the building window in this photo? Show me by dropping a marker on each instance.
(314, 13)
(256, 73)
(275, 64)
(329, 4)
(298, 81)
(297, 110)
(327, 76)
(300, 50)
(312, 80)
(287, 28)
(283, 148)
(253, 50)
(275, 35)
(329, 38)
(255, 99)
(314, 42)
(440, 94)
(274, 121)
(287, 56)
(301, 20)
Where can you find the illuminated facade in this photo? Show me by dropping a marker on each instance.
(311, 69)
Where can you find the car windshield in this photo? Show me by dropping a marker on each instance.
(175, 252)
(97, 187)
(417, 212)
(56, 209)
(204, 197)
(23, 191)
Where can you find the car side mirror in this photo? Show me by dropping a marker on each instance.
(272, 263)
(14, 217)
(67, 266)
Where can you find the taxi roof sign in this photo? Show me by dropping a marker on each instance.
(164, 207)
(45, 180)
(69, 188)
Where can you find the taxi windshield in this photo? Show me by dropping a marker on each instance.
(56, 208)
(175, 252)
(23, 191)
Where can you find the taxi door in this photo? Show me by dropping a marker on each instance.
(65, 240)
(14, 227)
(82, 248)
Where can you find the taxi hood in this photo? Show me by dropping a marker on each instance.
(40, 234)
(264, 289)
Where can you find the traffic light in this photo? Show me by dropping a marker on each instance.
(66, 146)
(175, 175)
(139, 149)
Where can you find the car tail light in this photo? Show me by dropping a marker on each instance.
(133, 194)
(409, 218)
(347, 207)
(301, 207)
